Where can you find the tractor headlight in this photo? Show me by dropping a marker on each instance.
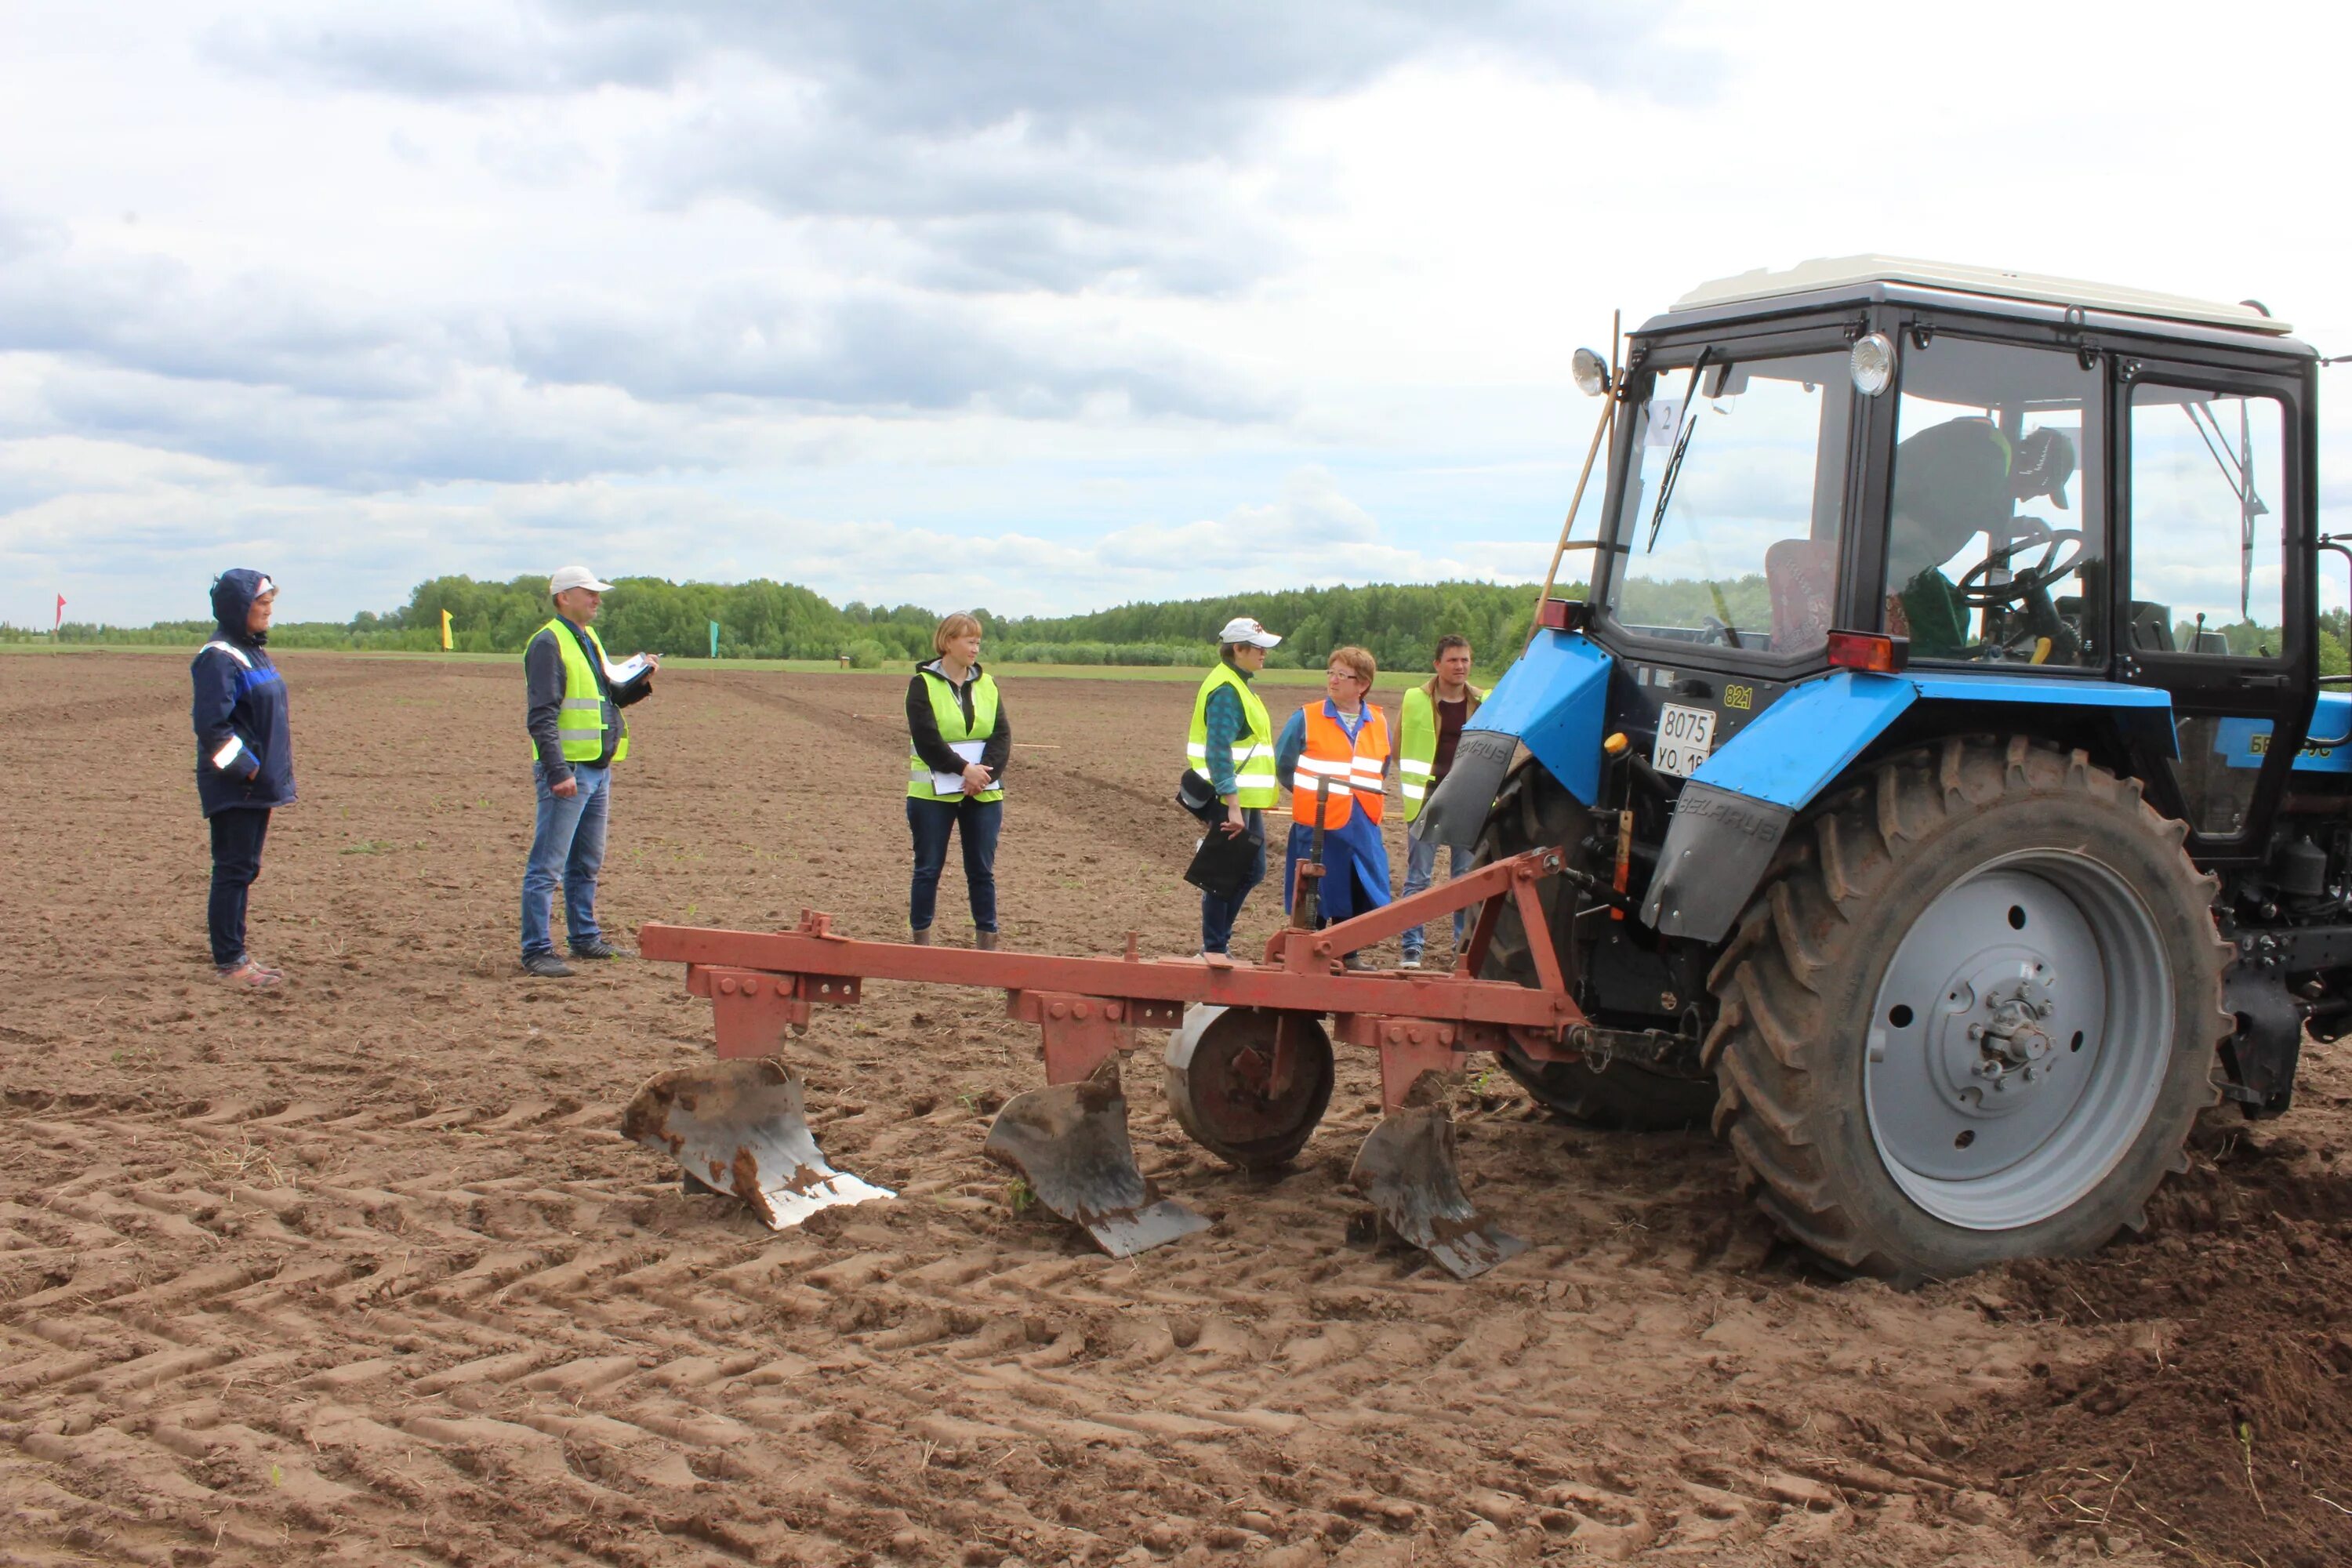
(1873, 364)
(1591, 373)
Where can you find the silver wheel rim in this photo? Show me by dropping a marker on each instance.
(2018, 1042)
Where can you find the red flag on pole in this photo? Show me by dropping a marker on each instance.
(61, 613)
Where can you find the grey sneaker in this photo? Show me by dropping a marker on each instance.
(600, 948)
(1410, 961)
(546, 965)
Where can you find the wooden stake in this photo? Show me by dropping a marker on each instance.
(1607, 422)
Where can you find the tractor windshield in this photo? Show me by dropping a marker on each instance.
(1728, 528)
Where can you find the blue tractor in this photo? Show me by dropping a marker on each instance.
(1955, 807)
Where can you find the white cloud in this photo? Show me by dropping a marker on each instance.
(1078, 306)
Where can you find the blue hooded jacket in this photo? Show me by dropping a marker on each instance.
(244, 750)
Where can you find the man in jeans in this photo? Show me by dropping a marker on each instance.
(1431, 728)
(577, 733)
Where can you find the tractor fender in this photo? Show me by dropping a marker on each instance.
(1553, 702)
(1734, 811)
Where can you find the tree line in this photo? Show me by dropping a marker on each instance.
(1400, 623)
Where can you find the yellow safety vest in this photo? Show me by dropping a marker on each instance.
(586, 715)
(949, 714)
(1417, 744)
(1257, 786)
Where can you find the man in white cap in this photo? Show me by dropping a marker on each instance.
(1232, 744)
(577, 733)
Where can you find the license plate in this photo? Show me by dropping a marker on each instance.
(1685, 735)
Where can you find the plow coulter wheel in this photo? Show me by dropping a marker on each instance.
(1535, 810)
(1249, 1084)
(1972, 1014)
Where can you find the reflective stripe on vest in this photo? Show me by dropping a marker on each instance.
(1352, 767)
(1256, 785)
(947, 712)
(584, 716)
(1417, 745)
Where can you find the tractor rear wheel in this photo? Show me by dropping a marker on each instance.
(1534, 809)
(1971, 1014)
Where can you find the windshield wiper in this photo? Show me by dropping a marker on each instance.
(2238, 473)
(1682, 444)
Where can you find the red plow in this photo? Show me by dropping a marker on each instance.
(1248, 1070)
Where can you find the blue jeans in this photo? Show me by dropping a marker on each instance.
(1219, 913)
(568, 843)
(932, 821)
(1420, 867)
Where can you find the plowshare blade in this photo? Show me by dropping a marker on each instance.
(1069, 1143)
(1406, 1168)
(741, 1126)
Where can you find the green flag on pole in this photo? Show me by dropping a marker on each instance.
(714, 639)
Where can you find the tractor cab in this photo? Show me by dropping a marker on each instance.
(2074, 506)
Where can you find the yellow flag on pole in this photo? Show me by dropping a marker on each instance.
(445, 631)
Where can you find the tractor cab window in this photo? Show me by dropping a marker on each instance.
(1996, 530)
(2208, 522)
(1728, 528)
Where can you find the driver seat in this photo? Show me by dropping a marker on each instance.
(1802, 576)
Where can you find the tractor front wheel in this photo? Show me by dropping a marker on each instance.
(1971, 1014)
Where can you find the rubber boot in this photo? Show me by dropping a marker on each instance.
(984, 940)
(921, 938)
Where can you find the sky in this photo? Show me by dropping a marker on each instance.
(1040, 308)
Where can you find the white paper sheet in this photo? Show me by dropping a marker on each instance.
(952, 783)
(625, 672)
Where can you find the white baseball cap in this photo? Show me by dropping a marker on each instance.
(1241, 628)
(576, 577)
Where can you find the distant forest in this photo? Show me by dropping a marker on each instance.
(1399, 622)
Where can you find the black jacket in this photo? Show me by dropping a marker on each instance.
(244, 746)
(923, 726)
(542, 673)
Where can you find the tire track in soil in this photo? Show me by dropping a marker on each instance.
(394, 1342)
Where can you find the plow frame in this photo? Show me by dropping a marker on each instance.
(764, 985)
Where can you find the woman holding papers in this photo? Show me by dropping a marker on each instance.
(960, 740)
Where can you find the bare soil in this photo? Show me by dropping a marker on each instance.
(362, 1271)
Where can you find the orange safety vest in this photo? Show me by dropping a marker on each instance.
(1354, 769)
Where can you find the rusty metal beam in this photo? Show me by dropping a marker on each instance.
(1420, 994)
(819, 966)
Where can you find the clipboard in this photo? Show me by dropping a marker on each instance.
(952, 783)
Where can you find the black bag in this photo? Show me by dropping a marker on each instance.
(1199, 796)
(1225, 863)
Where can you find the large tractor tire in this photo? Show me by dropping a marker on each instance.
(1971, 1014)
(1532, 810)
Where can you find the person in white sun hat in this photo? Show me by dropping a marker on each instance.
(577, 733)
(1231, 744)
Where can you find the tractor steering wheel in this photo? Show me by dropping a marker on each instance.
(1977, 587)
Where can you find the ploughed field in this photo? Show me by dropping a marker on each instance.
(362, 1271)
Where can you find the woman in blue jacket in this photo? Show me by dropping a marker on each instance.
(244, 759)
